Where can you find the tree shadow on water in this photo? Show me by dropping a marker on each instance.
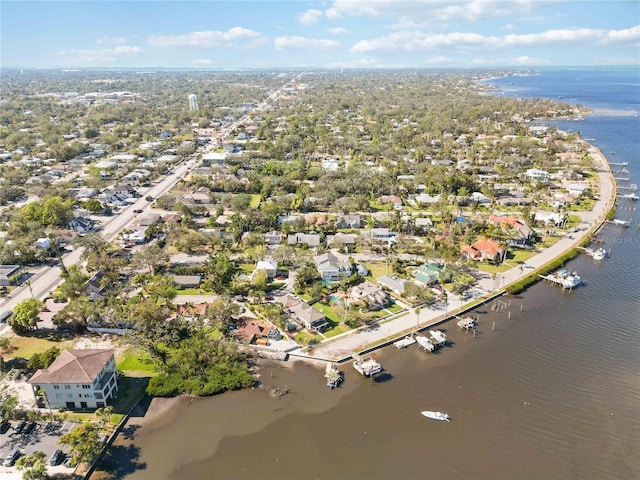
(118, 462)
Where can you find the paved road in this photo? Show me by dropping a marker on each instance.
(343, 345)
(48, 278)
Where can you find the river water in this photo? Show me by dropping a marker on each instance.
(549, 387)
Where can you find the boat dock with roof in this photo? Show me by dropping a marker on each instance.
(467, 323)
(563, 278)
(366, 366)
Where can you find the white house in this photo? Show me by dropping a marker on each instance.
(332, 268)
(269, 266)
(78, 379)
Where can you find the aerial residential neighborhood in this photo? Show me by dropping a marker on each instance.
(257, 225)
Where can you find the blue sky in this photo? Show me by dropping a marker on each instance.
(312, 34)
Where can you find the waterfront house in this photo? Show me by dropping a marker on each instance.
(427, 274)
(393, 283)
(370, 294)
(485, 250)
(77, 379)
(304, 314)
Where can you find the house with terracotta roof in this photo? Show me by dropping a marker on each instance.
(485, 250)
(78, 379)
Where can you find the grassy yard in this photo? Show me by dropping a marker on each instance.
(135, 362)
(337, 330)
(328, 311)
(246, 267)
(305, 338)
(25, 347)
(394, 308)
(377, 269)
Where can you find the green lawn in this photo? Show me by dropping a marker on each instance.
(135, 361)
(328, 311)
(25, 347)
(337, 330)
(394, 308)
(377, 269)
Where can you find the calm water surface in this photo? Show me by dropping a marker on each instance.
(552, 392)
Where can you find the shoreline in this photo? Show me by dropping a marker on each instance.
(339, 348)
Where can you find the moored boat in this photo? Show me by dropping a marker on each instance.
(404, 342)
(442, 417)
(425, 343)
(599, 254)
(438, 336)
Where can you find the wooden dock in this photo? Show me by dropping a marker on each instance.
(467, 323)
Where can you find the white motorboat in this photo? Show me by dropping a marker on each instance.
(571, 281)
(425, 343)
(443, 417)
(405, 342)
(438, 336)
(599, 254)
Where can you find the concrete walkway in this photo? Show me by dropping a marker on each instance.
(342, 346)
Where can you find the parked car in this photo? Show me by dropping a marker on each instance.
(149, 198)
(45, 309)
(28, 428)
(55, 457)
(137, 210)
(11, 458)
(4, 426)
(19, 426)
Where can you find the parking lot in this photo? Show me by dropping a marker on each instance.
(44, 437)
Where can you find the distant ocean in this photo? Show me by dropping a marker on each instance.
(552, 392)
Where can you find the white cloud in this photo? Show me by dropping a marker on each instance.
(508, 26)
(110, 40)
(296, 42)
(442, 60)
(412, 40)
(338, 31)
(98, 56)
(205, 39)
(433, 11)
(310, 17)
(201, 61)
(524, 60)
(628, 35)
